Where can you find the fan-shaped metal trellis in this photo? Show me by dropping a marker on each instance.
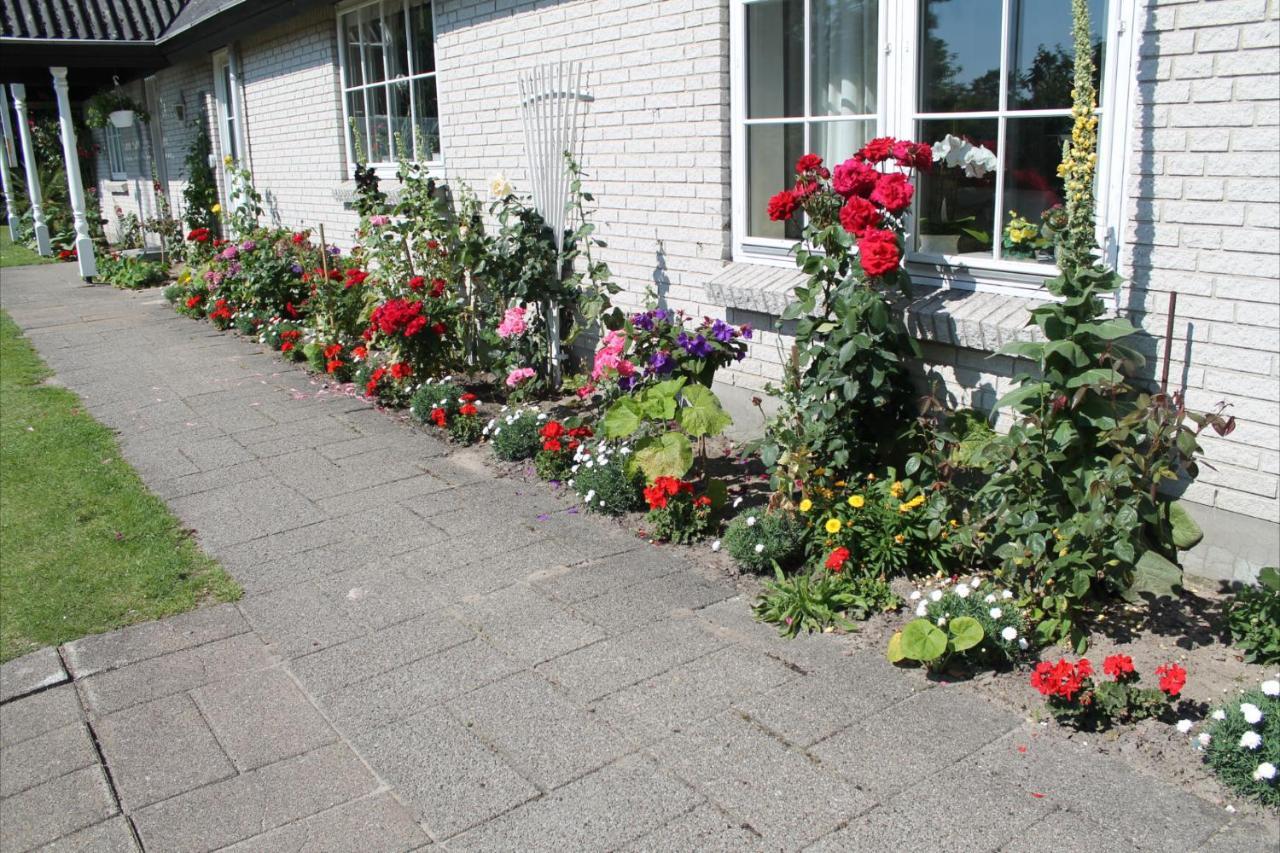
(550, 109)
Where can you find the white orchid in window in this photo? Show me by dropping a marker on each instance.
(954, 152)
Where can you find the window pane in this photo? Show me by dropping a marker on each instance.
(401, 132)
(772, 151)
(960, 55)
(351, 34)
(427, 119)
(1033, 149)
(775, 58)
(371, 32)
(844, 38)
(836, 141)
(956, 201)
(420, 32)
(229, 114)
(397, 47)
(379, 134)
(1041, 52)
(357, 127)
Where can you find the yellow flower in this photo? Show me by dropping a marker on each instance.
(899, 539)
(840, 484)
(911, 504)
(818, 472)
(896, 489)
(955, 523)
(1062, 553)
(832, 526)
(871, 478)
(806, 505)
(216, 209)
(856, 501)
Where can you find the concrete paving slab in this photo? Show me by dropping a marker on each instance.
(705, 829)
(37, 671)
(451, 779)
(300, 620)
(48, 756)
(374, 823)
(126, 646)
(601, 577)
(159, 749)
(33, 715)
(653, 600)
(377, 595)
(110, 836)
(244, 511)
(59, 807)
(526, 624)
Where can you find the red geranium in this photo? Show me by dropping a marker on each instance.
(893, 192)
(878, 150)
(662, 489)
(1118, 666)
(1172, 678)
(552, 444)
(702, 500)
(783, 206)
(552, 429)
(837, 558)
(468, 397)
(193, 301)
(360, 353)
(221, 310)
(371, 387)
(1062, 679)
(468, 409)
(417, 283)
(878, 252)
(332, 350)
(439, 416)
(859, 216)
(853, 178)
(333, 365)
(286, 346)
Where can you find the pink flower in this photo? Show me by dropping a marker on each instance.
(379, 219)
(519, 376)
(609, 357)
(586, 391)
(512, 324)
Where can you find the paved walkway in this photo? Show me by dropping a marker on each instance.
(424, 657)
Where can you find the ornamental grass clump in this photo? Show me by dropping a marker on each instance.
(514, 434)
(603, 480)
(965, 625)
(757, 540)
(1077, 697)
(1242, 743)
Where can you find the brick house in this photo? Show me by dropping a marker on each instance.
(700, 106)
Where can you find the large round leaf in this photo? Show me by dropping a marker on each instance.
(922, 641)
(966, 632)
(622, 419)
(894, 652)
(702, 413)
(668, 455)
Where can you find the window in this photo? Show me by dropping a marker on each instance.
(115, 154)
(226, 91)
(389, 104)
(990, 79)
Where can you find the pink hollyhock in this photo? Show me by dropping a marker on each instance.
(610, 357)
(512, 324)
(519, 376)
(379, 219)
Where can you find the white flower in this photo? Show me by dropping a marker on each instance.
(1252, 713)
(715, 546)
(1010, 634)
(1184, 726)
(499, 186)
(995, 612)
(1022, 643)
(962, 590)
(737, 502)
(1006, 595)
(601, 503)
(990, 599)
(1219, 714)
(976, 160)
(759, 547)
(1266, 770)
(542, 416)
(1250, 740)
(1271, 688)
(942, 620)
(915, 595)
(1204, 739)
(936, 595)
(921, 610)
(590, 496)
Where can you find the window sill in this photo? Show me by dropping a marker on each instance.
(979, 320)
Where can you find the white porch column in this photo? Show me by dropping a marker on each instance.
(33, 176)
(75, 190)
(8, 157)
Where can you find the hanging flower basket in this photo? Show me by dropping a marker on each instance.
(113, 106)
(121, 118)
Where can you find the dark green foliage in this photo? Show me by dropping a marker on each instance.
(1254, 617)
(514, 435)
(201, 190)
(130, 273)
(816, 602)
(781, 533)
(466, 429)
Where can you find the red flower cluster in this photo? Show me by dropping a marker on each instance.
(331, 355)
(440, 417)
(398, 317)
(553, 432)
(194, 301)
(299, 237)
(1062, 679)
(1119, 667)
(401, 370)
(221, 311)
(1172, 678)
(837, 559)
(198, 235)
(664, 488)
(66, 254)
(371, 387)
(355, 277)
(289, 339)
(468, 408)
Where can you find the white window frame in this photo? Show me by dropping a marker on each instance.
(435, 166)
(229, 116)
(897, 117)
(116, 165)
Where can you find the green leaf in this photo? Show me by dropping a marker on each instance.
(966, 632)
(668, 455)
(622, 419)
(1096, 376)
(1108, 330)
(1068, 350)
(1020, 395)
(894, 652)
(1186, 533)
(702, 414)
(922, 641)
(1026, 349)
(1154, 575)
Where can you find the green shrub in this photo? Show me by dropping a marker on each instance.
(435, 395)
(1242, 766)
(466, 429)
(815, 602)
(130, 273)
(759, 539)
(602, 481)
(514, 434)
(1254, 617)
(1000, 624)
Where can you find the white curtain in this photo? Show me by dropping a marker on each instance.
(845, 46)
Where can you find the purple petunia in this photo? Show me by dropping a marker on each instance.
(297, 269)
(745, 328)
(248, 246)
(722, 331)
(660, 363)
(626, 383)
(698, 347)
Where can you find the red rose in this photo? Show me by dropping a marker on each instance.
(783, 206)
(437, 287)
(893, 192)
(859, 216)
(808, 163)
(1118, 666)
(1172, 678)
(417, 283)
(878, 252)
(837, 558)
(878, 150)
(401, 370)
(913, 155)
(854, 178)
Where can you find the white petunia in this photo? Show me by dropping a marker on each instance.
(936, 595)
(1185, 726)
(995, 612)
(1271, 688)
(963, 590)
(601, 503)
(1250, 740)
(1266, 770)
(942, 621)
(1204, 739)
(1010, 634)
(1022, 643)
(915, 595)
(921, 610)
(715, 546)
(1219, 714)
(1252, 713)
(759, 547)
(590, 496)
(990, 599)
(737, 502)
(751, 521)
(1006, 595)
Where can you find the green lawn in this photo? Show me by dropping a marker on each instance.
(18, 255)
(84, 546)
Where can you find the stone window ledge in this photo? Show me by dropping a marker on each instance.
(976, 320)
(345, 193)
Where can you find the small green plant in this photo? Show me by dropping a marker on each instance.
(130, 273)
(514, 434)
(995, 611)
(100, 106)
(432, 397)
(466, 429)
(1254, 617)
(1242, 744)
(815, 602)
(645, 417)
(929, 644)
(605, 482)
(759, 539)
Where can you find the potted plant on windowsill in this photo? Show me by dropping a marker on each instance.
(961, 168)
(112, 106)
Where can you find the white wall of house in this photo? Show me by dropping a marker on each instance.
(1201, 200)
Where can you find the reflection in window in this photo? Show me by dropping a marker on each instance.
(389, 67)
